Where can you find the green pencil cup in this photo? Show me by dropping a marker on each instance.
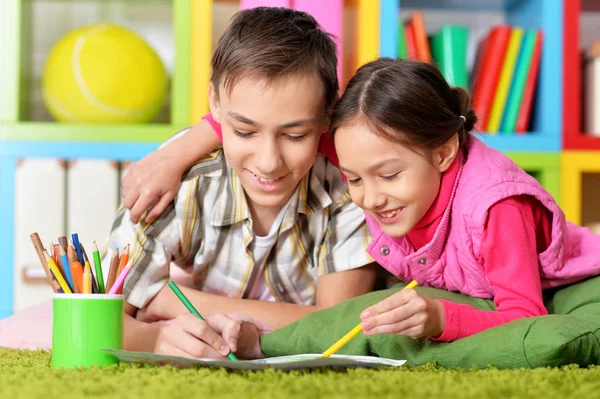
(82, 326)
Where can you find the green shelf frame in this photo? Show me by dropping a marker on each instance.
(14, 27)
(545, 166)
(41, 131)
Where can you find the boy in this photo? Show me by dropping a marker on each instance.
(265, 226)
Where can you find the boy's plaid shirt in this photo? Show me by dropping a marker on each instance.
(207, 230)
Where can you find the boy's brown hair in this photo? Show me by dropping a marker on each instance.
(274, 42)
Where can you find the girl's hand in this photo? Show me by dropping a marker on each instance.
(189, 336)
(151, 183)
(405, 313)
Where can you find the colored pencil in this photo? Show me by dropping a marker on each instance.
(87, 279)
(192, 309)
(98, 267)
(86, 262)
(117, 287)
(64, 260)
(76, 270)
(114, 268)
(77, 246)
(62, 240)
(39, 248)
(56, 256)
(354, 332)
(59, 277)
(124, 259)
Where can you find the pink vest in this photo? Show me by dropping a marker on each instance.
(451, 260)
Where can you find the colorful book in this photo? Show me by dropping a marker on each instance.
(420, 36)
(489, 66)
(513, 103)
(402, 50)
(530, 85)
(449, 51)
(411, 46)
(504, 83)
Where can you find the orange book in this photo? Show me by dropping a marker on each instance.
(420, 36)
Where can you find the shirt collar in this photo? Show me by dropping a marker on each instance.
(309, 196)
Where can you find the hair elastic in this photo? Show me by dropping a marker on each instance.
(463, 118)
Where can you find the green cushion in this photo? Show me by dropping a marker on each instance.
(571, 334)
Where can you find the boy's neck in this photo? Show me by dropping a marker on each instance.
(262, 218)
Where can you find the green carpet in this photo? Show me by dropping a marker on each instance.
(27, 374)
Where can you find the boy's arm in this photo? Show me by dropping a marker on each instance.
(152, 182)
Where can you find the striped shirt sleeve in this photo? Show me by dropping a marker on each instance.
(156, 244)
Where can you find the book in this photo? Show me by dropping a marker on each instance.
(513, 103)
(487, 72)
(530, 85)
(292, 362)
(506, 77)
(449, 51)
(420, 36)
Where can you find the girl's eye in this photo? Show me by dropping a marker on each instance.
(243, 134)
(391, 177)
(354, 182)
(295, 138)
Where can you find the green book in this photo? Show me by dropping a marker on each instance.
(402, 51)
(449, 51)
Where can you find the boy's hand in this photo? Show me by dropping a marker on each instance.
(405, 313)
(215, 337)
(151, 183)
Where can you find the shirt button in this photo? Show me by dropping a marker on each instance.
(385, 251)
(422, 261)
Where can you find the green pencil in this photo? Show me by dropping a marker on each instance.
(98, 266)
(192, 309)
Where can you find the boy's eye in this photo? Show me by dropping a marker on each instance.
(391, 177)
(295, 137)
(243, 134)
(354, 181)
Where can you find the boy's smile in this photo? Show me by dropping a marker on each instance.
(271, 132)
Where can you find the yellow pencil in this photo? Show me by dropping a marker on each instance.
(354, 332)
(87, 279)
(57, 274)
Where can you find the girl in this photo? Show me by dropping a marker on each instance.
(443, 208)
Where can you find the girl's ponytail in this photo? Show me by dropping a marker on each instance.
(463, 108)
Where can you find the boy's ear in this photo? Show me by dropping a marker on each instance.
(446, 153)
(213, 102)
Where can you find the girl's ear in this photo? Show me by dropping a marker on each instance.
(446, 153)
(213, 102)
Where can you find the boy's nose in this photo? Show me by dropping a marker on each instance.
(269, 160)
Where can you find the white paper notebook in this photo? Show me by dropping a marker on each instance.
(291, 362)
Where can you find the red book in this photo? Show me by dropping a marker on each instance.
(409, 35)
(529, 89)
(489, 69)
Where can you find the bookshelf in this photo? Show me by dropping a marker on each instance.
(28, 134)
(555, 151)
(581, 151)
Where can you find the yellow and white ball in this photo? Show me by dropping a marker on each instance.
(103, 73)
